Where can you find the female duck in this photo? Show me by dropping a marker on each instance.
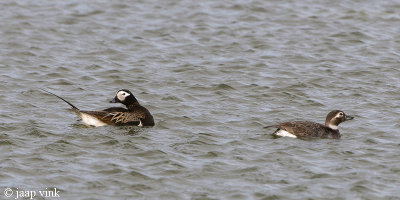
(305, 129)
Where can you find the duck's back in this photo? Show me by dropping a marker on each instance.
(309, 129)
(117, 116)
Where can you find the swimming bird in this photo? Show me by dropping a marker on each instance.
(134, 114)
(307, 129)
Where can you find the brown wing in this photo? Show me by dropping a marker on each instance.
(306, 129)
(114, 118)
(121, 116)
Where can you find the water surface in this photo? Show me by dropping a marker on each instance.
(212, 73)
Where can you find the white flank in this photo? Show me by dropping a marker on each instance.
(140, 124)
(90, 120)
(284, 133)
(333, 127)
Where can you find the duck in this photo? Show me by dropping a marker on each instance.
(134, 114)
(307, 129)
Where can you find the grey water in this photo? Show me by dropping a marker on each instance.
(213, 74)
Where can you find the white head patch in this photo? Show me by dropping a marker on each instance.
(121, 95)
(339, 115)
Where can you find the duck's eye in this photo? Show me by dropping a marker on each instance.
(123, 94)
(341, 114)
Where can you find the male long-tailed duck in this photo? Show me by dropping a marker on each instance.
(134, 114)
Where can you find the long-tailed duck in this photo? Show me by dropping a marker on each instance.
(304, 129)
(134, 114)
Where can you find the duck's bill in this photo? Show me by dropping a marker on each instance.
(115, 100)
(348, 117)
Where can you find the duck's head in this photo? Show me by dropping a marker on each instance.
(125, 97)
(335, 117)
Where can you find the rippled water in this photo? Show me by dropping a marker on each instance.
(212, 73)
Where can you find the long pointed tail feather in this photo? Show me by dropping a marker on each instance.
(73, 107)
(272, 126)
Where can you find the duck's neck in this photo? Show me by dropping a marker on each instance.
(332, 126)
(132, 106)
